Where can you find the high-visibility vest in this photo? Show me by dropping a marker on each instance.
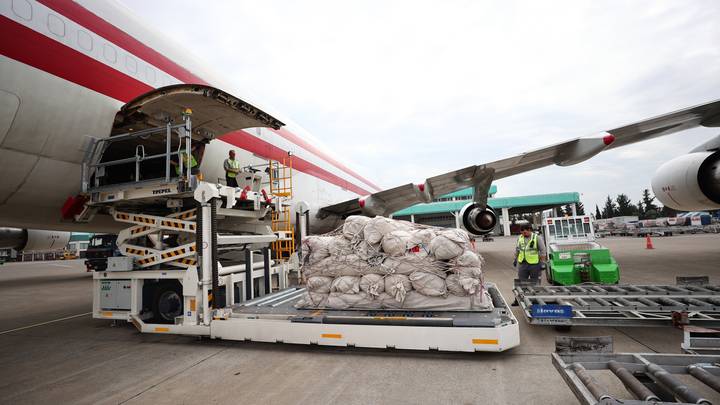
(184, 157)
(528, 249)
(234, 164)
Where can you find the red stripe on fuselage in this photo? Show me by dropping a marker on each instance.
(122, 39)
(244, 140)
(35, 49)
(87, 19)
(312, 149)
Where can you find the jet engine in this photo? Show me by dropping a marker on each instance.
(478, 220)
(32, 240)
(690, 182)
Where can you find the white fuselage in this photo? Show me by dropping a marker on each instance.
(67, 67)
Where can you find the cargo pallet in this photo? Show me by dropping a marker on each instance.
(275, 319)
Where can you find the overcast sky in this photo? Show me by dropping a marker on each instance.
(403, 90)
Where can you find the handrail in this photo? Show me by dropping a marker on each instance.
(92, 163)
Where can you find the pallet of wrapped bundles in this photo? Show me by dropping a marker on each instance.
(381, 263)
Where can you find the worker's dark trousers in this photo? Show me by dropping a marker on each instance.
(231, 181)
(527, 271)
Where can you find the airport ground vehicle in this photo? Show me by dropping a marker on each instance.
(573, 254)
(204, 259)
(68, 255)
(101, 247)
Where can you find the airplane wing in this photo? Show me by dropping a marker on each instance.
(566, 153)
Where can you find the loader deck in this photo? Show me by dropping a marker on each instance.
(281, 305)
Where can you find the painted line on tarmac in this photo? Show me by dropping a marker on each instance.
(44, 323)
(60, 265)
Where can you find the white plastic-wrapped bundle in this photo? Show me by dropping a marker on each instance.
(474, 272)
(319, 284)
(397, 285)
(367, 251)
(315, 248)
(481, 301)
(372, 284)
(384, 263)
(339, 247)
(449, 244)
(409, 264)
(344, 301)
(462, 286)
(346, 285)
(468, 258)
(423, 235)
(378, 227)
(415, 300)
(396, 243)
(428, 284)
(312, 300)
(353, 227)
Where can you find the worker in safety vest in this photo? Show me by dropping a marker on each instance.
(189, 159)
(232, 168)
(529, 254)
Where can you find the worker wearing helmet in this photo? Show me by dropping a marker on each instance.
(529, 254)
(232, 168)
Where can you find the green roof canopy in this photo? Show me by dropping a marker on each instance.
(80, 236)
(520, 203)
(467, 192)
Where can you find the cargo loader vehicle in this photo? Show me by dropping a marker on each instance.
(574, 256)
(203, 259)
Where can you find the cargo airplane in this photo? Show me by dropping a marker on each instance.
(71, 69)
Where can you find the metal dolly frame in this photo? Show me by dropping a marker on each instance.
(650, 378)
(624, 305)
(274, 319)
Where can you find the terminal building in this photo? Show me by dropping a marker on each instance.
(445, 210)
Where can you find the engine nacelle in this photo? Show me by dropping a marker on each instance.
(33, 240)
(477, 220)
(690, 182)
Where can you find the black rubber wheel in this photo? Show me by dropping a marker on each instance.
(167, 302)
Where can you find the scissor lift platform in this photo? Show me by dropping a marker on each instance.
(275, 319)
(620, 305)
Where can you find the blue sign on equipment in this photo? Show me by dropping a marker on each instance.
(551, 311)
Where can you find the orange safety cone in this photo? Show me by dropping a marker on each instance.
(648, 243)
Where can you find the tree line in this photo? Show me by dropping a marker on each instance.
(623, 206)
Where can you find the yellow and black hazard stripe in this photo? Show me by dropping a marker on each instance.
(186, 214)
(146, 260)
(134, 251)
(120, 215)
(187, 260)
(172, 224)
(139, 229)
(144, 220)
(173, 253)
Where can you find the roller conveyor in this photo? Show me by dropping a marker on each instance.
(620, 305)
(648, 378)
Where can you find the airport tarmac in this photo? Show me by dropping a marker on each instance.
(76, 359)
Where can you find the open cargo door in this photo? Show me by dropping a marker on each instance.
(213, 111)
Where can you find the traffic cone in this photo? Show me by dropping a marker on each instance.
(648, 243)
